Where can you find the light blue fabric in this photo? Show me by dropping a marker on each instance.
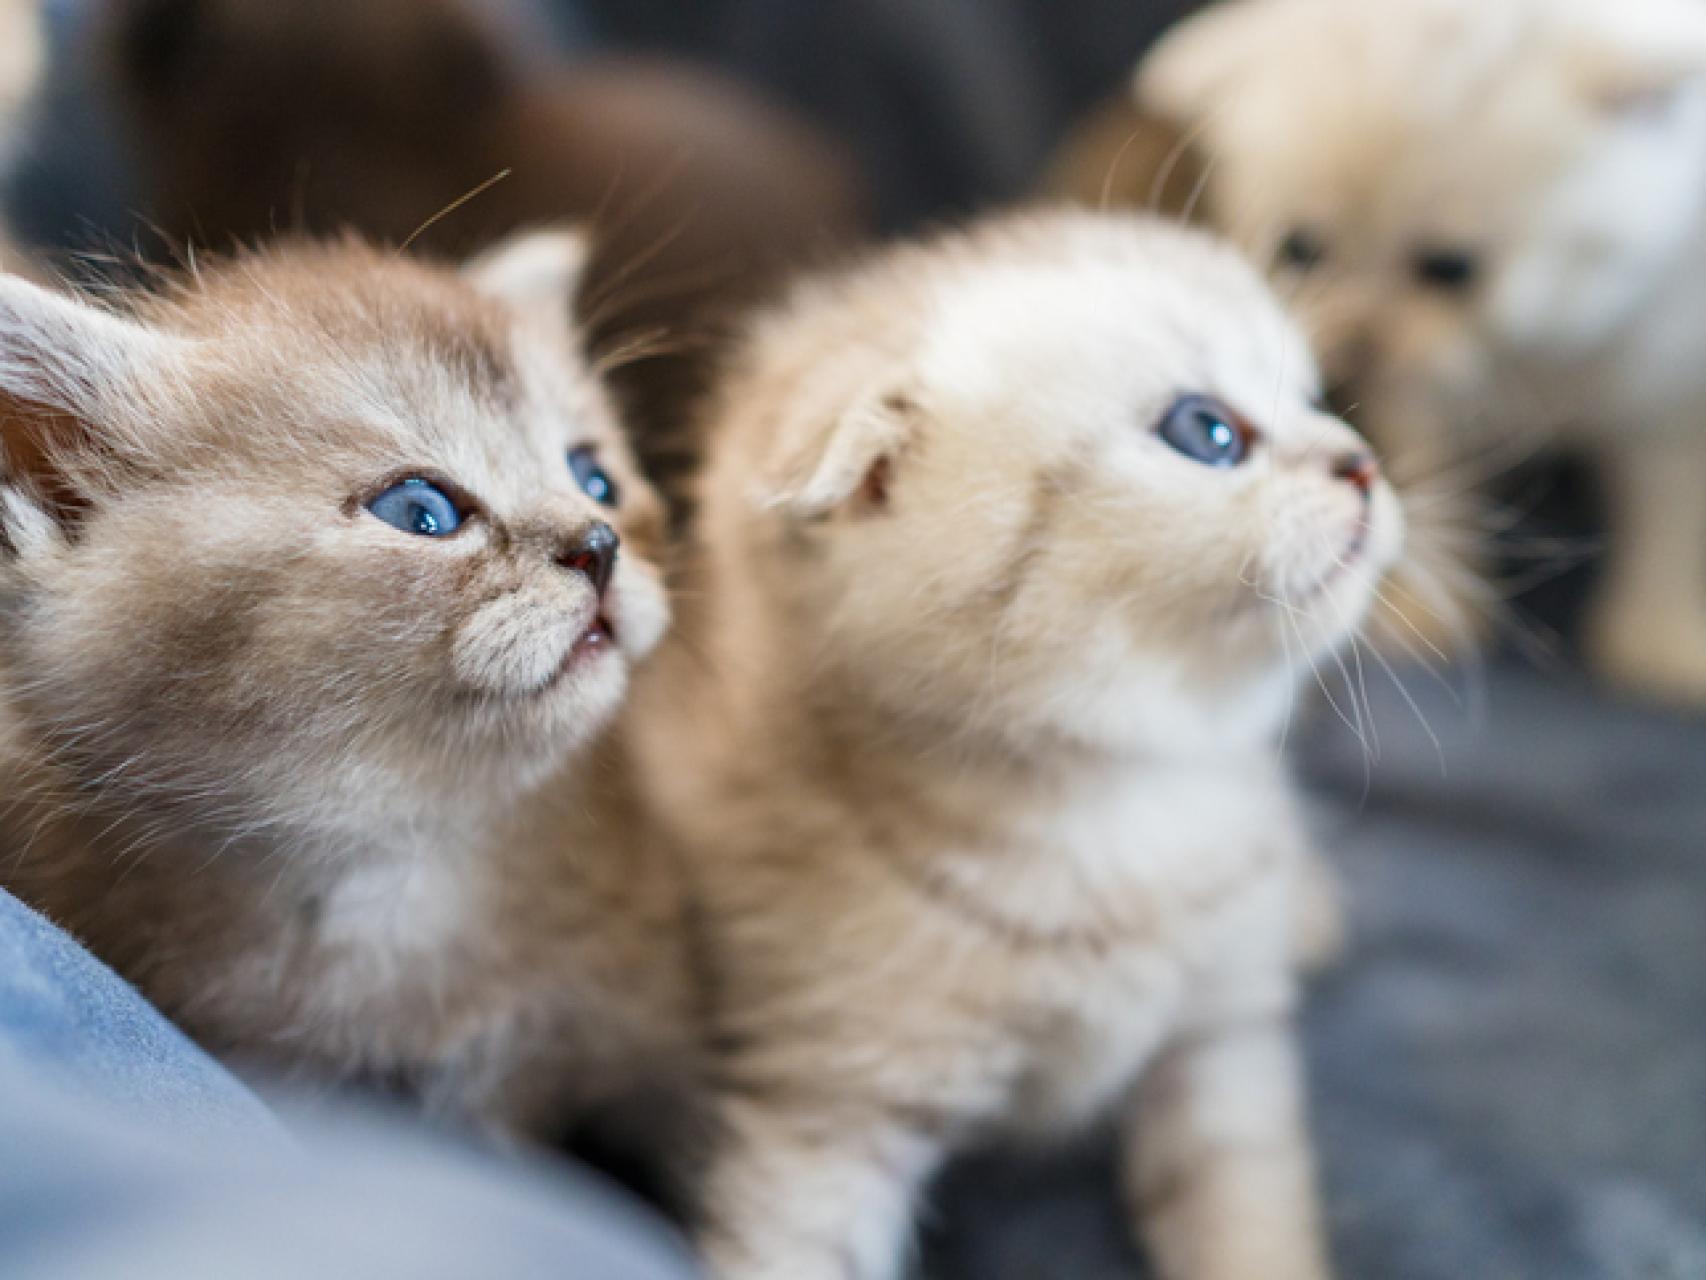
(125, 1151)
(68, 1018)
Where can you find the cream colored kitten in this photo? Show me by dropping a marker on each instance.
(1494, 212)
(1013, 546)
(311, 615)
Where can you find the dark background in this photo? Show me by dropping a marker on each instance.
(949, 104)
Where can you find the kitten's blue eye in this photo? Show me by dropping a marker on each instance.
(592, 477)
(1205, 431)
(419, 507)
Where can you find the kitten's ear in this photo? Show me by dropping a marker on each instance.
(1192, 68)
(1637, 68)
(842, 459)
(59, 362)
(533, 270)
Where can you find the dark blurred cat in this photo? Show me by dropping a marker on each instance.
(251, 116)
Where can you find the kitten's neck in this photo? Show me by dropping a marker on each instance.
(308, 833)
(798, 724)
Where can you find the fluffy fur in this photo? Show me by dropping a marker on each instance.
(970, 742)
(1558, 147)
(330, 793)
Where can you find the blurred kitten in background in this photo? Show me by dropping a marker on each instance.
(1492, 214)
(251, 117)
(21, 56)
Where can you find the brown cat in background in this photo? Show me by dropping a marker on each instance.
(312, 614)
(248, 117)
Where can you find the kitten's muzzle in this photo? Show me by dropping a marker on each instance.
(593, 553)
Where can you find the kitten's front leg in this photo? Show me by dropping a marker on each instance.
(793, 1195)
(1218, 1165)
(1648, 628)
(1319, 932)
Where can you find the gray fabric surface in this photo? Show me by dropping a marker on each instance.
(1510, 1067)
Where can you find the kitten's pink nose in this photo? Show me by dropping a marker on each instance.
(593, 552)
(1358, 467)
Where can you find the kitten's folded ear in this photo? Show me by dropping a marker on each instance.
(61, 361)
(533, 270)
(1200, 60)
(840, 459)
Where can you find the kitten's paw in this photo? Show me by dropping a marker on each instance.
(1656, 655)
(1254, 1242)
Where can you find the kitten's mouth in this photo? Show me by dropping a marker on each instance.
(595, 641)
(1347, 560)
(597, 638)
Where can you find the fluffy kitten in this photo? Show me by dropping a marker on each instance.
(1495, 217)
(311, 613)
(1012, 547)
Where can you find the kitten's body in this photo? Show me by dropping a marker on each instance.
(1503, 213)
(976, 783)
(333, 795)
(484, 966)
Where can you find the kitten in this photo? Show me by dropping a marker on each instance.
(1013, 544)
(311, 615)
(1495, 215)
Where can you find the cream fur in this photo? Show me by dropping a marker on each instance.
(969, 740)
(336, 797)
(1563, 143)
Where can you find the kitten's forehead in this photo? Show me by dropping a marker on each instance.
(1143, 310)
(356, 352)
(1376, 115)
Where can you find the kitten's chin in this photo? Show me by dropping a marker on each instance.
(552, 725)
(1326, 616)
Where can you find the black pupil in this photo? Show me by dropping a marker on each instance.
(424, 522)
(1303, 249)
(1447, 269)
(1219, 434)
